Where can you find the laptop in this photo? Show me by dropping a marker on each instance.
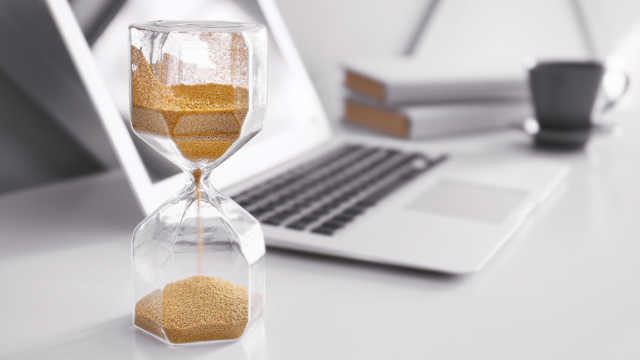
(385, 201)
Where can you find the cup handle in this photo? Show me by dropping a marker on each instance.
(603, 127)
(612, 102)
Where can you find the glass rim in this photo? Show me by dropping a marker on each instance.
(210, 26)
(568, 64)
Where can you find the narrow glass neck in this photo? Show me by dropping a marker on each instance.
(201, 177)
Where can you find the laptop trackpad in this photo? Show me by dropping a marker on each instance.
(469, 200)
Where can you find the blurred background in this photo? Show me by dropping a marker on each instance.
(51, 132)
(563, 287)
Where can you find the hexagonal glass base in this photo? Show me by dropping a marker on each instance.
(162, 337)
(198, 265)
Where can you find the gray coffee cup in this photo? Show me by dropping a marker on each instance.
(563, 95)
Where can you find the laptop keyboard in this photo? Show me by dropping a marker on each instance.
(327, 193)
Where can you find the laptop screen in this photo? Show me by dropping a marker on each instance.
(295, 124)
(287, 109)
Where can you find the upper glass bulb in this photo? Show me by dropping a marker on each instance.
(197, 89)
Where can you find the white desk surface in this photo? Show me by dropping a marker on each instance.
(565, 287)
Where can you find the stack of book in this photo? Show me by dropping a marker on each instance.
(411, 98)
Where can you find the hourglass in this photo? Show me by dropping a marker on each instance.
(198, 94)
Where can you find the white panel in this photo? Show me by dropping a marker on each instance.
(33, 57)
(503, 30)
(328, 31)
(610, 21)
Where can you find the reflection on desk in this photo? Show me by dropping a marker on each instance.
(563, 288)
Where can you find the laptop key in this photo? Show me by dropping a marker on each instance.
(319, 212)
(354, 211)
(332, 224)
(323, 231)
(342, 218)
(308, 219)
(365, 203)
(272, 221)
(279, 217)
(260, 211)
(298, 225)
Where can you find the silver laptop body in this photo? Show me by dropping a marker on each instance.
(402, 203)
